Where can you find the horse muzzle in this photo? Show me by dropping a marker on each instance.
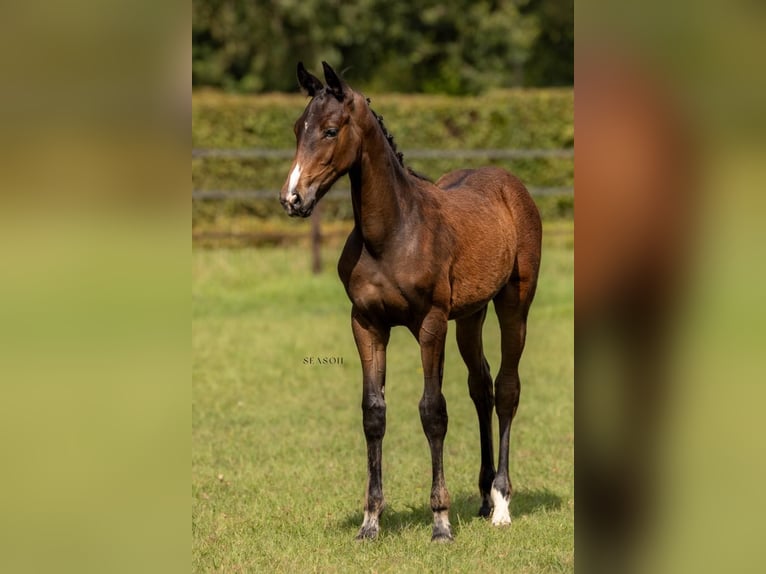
(298, 206)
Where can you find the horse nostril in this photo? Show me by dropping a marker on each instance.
(294, 200)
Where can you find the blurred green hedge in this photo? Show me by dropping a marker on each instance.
(520, 119)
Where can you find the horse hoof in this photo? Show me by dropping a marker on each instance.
(367, 533)
(485, 510)
(501, 517)
(442, 535)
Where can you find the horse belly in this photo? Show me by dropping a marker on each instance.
(470, 296)
(478, 275)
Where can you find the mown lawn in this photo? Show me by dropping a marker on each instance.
(278, 453)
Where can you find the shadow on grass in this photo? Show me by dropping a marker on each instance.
(465, 508)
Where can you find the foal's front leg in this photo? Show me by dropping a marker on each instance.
(371, 343)
(433, 416)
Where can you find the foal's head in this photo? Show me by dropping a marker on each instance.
(328, 141)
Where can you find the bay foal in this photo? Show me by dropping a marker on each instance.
(419, 255)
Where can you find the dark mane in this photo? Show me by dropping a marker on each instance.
(392, 143)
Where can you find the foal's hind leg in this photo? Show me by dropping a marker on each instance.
(468, 334)
(511, 306)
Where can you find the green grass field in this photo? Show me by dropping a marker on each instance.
(278, 452)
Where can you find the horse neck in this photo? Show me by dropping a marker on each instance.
(381, 189)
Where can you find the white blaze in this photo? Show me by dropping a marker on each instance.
(295, 175)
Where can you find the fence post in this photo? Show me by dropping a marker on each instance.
(316, 242)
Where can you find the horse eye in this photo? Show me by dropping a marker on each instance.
(331, 132)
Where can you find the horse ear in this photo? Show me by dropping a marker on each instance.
(335, 85)
(310, 83)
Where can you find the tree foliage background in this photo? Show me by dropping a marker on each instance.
(445, 46)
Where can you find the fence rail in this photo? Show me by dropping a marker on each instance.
(316, 233)
(269, 153)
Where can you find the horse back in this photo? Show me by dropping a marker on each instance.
(493, 188)
(491, 206)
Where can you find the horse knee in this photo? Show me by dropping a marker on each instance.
(374, 417)
(433, 415)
